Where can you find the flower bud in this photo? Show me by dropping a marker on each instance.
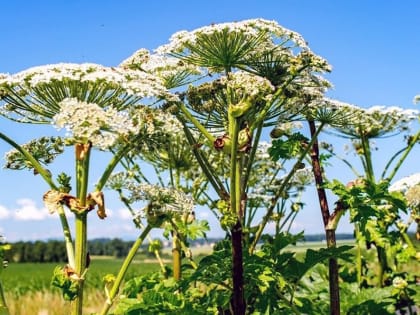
(222, 143)
(244, 140)
(240, 109)
(277, 132)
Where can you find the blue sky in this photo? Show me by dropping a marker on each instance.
(373, 46)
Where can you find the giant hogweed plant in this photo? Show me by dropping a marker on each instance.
(376, 209)
(257, 74)
(231, 82)
(99, 107)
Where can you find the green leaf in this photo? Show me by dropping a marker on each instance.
(287, 149)
(314, 257)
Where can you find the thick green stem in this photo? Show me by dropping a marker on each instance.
(238, 298)
(367, 154)
(359, 262)
(82, 176)
(121, 274)
(176, 256)
(81, 259)
(382, 266)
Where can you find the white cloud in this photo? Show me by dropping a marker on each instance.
(4, 212)
(124, 214)
(28, 211)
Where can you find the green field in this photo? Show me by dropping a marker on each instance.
(20, 278)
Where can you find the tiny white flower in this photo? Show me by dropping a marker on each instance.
(88, 121)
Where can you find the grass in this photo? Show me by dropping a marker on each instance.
(28, 289)
(20, 278)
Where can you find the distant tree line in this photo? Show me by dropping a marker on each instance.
(54, 250)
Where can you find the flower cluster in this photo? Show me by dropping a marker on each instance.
(44, 150)
(103, 126)
(132, 82)
(410, 187)
(164, 200)
(378, 121)
(154, 121)
(166, 67)
(334, 113)
(391, 118)
(399, 283)
(243, 83)
(90, 122)
(33, 95)
(252, 27)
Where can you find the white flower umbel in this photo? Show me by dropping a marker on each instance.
(90, 122)
(168, 68)
(333, 112)
(154, 121)
(225, 46)
(382, 120)
(246, 84)
(379, 121)
(33, 95)
(253, 27)
(164, 199)
(406, 183)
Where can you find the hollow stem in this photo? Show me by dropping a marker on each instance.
(80, 259)
(176, 256)
(82, 176)
(238, 298)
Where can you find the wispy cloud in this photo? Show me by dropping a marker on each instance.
(4, 212)
(27, 210)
